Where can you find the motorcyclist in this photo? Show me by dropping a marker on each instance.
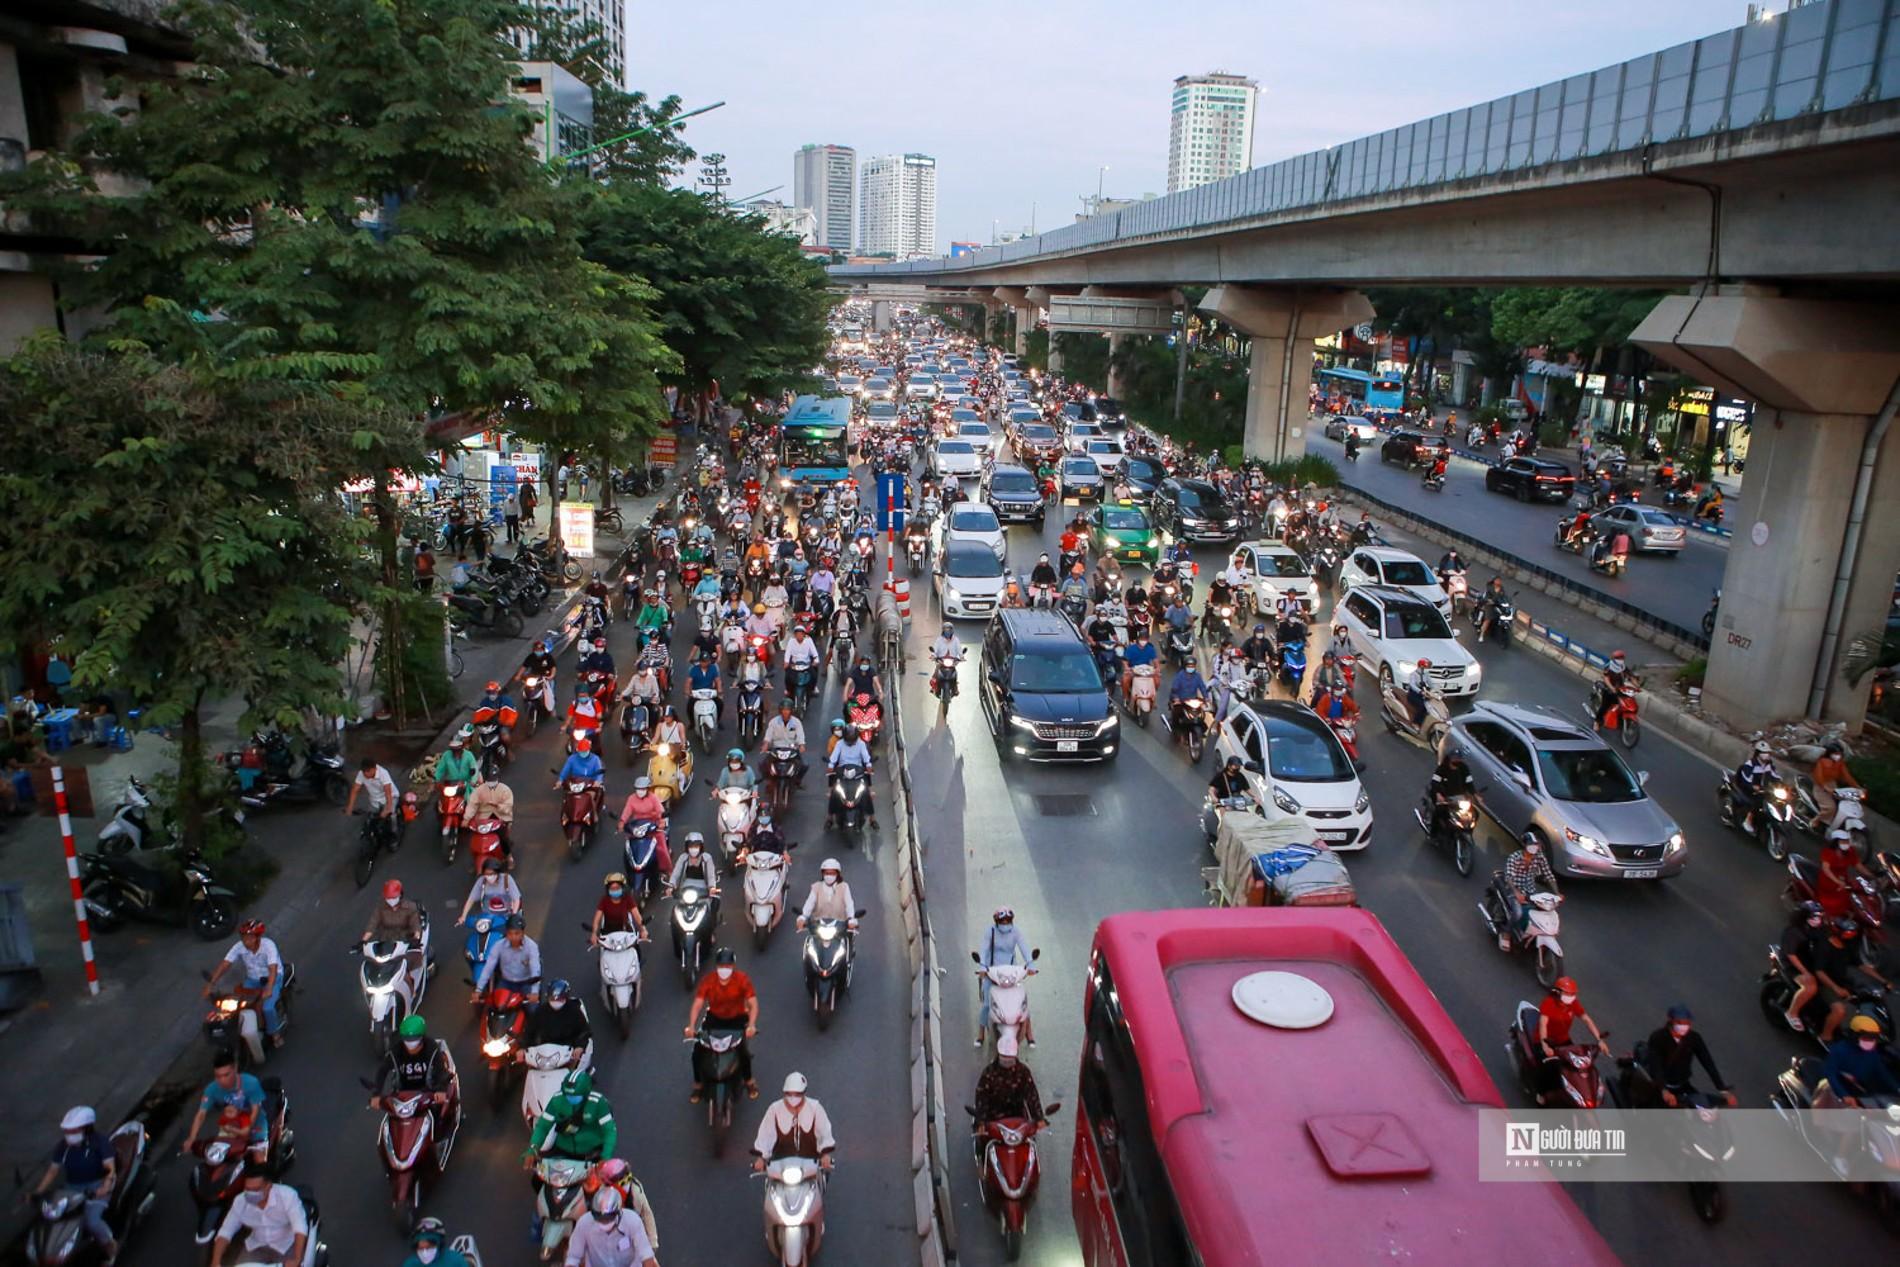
(1751, 781)
(1574, 530)
(1107, 569)
(694, 863)
(1336, 707)
(786, 730)
(1187, 684)
(1418, 685)
(595, 659)
(1559, 1010)
(1043, 575)
(1138, 652)
(829, 898)
(493, 799)
(584, 764)
(704, 676)
(653, 615)
(735, 773)
(514, 963)
(801, 652)
(795, 1125)
(1671, 1053)
(1838, 966)
(1007, 1089)
(577, 1123)
(1805, 932)
(1220, 593)
(617, 911)
(232, 1095)
(416, 1062)
(1330, 679)
(611, 1236)
(560, 1021)
(1490, 603)
(1830, 773)
(1352, 445)
(84, 1160)
(863, 680)
(1526, 871)
(492, 886)
(1450, 564)
(1450, 780)
(262, 970)
(727, 1001)
(850, 750)
(1179, 616)
(539, 663)
(584, 713)
(759, 623)
(655, 654)
(1258, 648)
(1229, 781)
(397, 918)
(458, 764)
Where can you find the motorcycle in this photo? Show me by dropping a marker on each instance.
(1540, 933)
(1705, 1141)
(560, 1201)
(717, 1057)
(914, 548)
(390, 991)
(504, 1017)
(1008, 1172)
(1610, 563)
(765, 872)
(1865, 902)
(1773, 823)
(1458, 589)
(781, 777)
(943, 683)
(1396, 712)
(1293, 663)
(414, 1143)
(1850, 814)
(1500, 613)
(1433, 480)
(451, 805)
(850, 798)
(58, 1235)
(545, 1067)
(801, 680)
(867, 715)
(1187, 719)
(222, 1161)
(830, 954)
(268, 774)
(642, 855)
(1461, 820)
(1009, 994)
(1708, 617)
(620, 987)
(1217, 623)
(738, 811)
(1141, 693)
(118, 889)
(671, 769)
(1578, 540)
(1777, 990)
(695, 928)
(705, 717)
(1580, 1082)
(235, 1020)
(580, 814)
(1875, 1148)
(1621, 716)
(751, 706)
(534, 704)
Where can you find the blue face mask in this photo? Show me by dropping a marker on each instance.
(615, 891)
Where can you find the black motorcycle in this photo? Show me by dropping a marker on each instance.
(695, 928)
(751, 707)
(1704, 1140)
(830, 952)
(850, 799)
(486, 609)
(1495, 618)
(1460, 820)
(175, 888)
(58, 1234)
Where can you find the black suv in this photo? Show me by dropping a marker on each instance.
(1042, 692)
(1413, 449)
(1014, 494)
(1143, 475)
(1194, 510)
(1529, 479)
(1109, 412)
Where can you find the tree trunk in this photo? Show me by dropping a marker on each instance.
(387, 541)
(189, 807)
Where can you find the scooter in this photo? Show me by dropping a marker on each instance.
(217, 1176)
(235, 1019)
(1180, 647)
(801, 680)
(1622, 717)
(849, 799)
(560, 1201)
(389, 990)
(1875, 1149)
(1500, 613)
(127, 831)
(1141, 693)
(705, 717)
(1009, 994)
(1850, 814)
(504, 1018)
(1609, 562)
(1773, 822)
(485, 930)
(58, 1236)
(580, 815)
(1705, 1141)
(1461, 817)
(671, 769)
(545, 1067)
(534, 706)
(765, 875)
(830, 953)
(1187, 720)
(751, 706)
(451, 805)
(620, 988)
(914, 549)
(116, 889)
(794, 1210)
(1576, 541)
(484, 842)
(414, 1143)
(1539, 935)
(738, 811)
(642, 854)
(1580, 1080)
(695, 928)
(943, 683)
(1397, 715)
(1777, 990)
(1458, 588)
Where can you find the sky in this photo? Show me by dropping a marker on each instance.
(1022, 103)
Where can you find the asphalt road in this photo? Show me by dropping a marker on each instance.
(707, 1207)
(1675, 588)
(1067, 846)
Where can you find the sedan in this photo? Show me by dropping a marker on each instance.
(971, 521)
(879, 389)
(969, 581)
(1339, 426)
(1079, 477)
(957, 458)
(1107, 452)
(1651, 531)
(1530, 479)
(1413, 448)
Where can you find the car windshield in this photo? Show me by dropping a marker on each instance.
(1012, 482)
(1082, 467)
(955, 446)
(1072, 411)
(1282, 565)
(881, 409)
(1108, 405)
(1104, 446)
(975, 519)
(1038, 434)
(1143, 468)
(1407, 572)
(1192, 496)
(969, 561)
(1066, 672)
(1124, 519)
(1592, 776)
(1415, 622)
(1303, 750)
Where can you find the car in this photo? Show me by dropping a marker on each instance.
(969, 581)
(1022, 416)
(956, 457)
(980, 434)
(1651, 531)
(1194, 510)
(1391, 631)
(1531, 479)
(1078, 477)
(962, 414)
(1339, 426)
(1296, 768)
(849, 384)
(879, 389)
(1078, 411)
(1037, 441)
(971, 521)
(1387, 565)
(1279, 569)
(1124, 530)
(881, 413)
(1012, 492)
(1537, 772)
(1142, 475)
(1109, 412)
(1076, 438)
(920, 387)
(1041, 692)
(1107, 452)
(1413, 448)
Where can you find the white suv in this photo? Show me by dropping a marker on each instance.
(1391, 630)
(1296, 768)
(1384, 565)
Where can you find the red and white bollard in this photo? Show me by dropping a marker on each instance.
(72, 875)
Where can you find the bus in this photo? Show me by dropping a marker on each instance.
(1374, 393)
(814, 442)
(1205, 1137)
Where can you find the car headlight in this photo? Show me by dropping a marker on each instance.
(1362, 802)
(1676, 843)
(1026, 725)
(1108, 723)
(1407, 668)
(1154, 541)
(1286, 803)
(1475, 671)
(1589, 844)
(950, 594)
(1312, 590)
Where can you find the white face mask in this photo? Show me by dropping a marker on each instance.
(1678, 1030)
(426, 1254)
(692, 851)
(1567, 999)
(392, 902)
(831, 879)
(557, 1004)
(75, 1137)
(725, 974)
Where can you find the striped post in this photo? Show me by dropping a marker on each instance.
(890, 543)
(72, 876)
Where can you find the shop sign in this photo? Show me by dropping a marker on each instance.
(577, 528)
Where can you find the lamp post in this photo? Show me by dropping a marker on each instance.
(577, 155)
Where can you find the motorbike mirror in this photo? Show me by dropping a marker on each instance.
(860, 914)
(1035, 954)
(367, 1085)
(976, 959)
(1050, 1110)
(968, 1108)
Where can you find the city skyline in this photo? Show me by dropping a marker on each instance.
(897, 206)
(1210, 128)
(1040, 150)
(825, 182)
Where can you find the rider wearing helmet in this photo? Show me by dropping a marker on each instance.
(1418, 684)
(514, 963)
(830, 897)
(1559, 1010)
(1670, 1056)
(577, 1123)
(1751, 781)
(694, 863)
(1451, 779)
(1004, 943)
(1829, 774)
(397, 918)
(430, 1241)
(795, 1125)
(1806, 931)
(1526, 871)
(703, 675)
(262, 969)
(84, 1160)
(617, 912)
(416, 1062)
(735, 773)
(850, 750)
(562, 1021)
(1838, 966)
(610, 1236)
(1609, 688)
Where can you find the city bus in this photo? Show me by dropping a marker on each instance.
(1205, 1137)
(1374, 393)
(814, 441)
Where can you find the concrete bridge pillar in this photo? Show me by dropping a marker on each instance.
(1282, 323)
(1114, 372)
(1802, 580)
(881, 316)
(1055, 353)
(1018, 300)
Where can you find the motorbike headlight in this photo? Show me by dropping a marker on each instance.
(1362, 802)
(1781, 792)
(1676, 843)
(1589, 844)
(689, 898)
(495, 1047)
(1286, 802)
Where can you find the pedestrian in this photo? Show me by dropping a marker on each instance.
(562, 476)
(580, 473)
(529, 499)
(59, 676)
(511, 515)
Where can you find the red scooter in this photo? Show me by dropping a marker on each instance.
(1619, 715)
(504, 1017)
(1005, 1155)
(867, 716)
(451, 807)
(484, 842)
(580, 814)
(414, 1144)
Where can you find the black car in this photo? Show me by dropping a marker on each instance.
(1143, 475)
(1109, 412)
(1413, 448)
(1042, 693)
(1014, 495)
(1079, 411)
(1531, 479)
(1194, 510)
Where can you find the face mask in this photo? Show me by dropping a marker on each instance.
(616, 891)
(1567, 999)
(831, 879)
(426, 1254)
(392, 902)
(1679, 1030)
(793, 1100)
(75, 1137)
(692, 851)
(412, 1045)
(557, 1004)
(1866, 1044)
(255, 1197)
(725, 974)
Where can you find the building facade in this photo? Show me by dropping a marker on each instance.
(1210, 129)
(793, 222)
(562, 106)
(898, 206)
(609, 16)
(825, 183)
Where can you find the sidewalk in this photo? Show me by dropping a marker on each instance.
(138, 1042)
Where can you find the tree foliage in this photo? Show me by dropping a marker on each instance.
(1580, 319)
(581, 47)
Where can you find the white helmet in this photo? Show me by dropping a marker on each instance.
(1006, 1044)
(1762, 749)
(795, 1083)
(78, 1118)
(607, 1200)
(830, 864)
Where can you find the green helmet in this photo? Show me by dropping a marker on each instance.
(578, 1084)
(413, 1026)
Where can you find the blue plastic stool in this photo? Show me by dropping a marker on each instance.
(120, 740)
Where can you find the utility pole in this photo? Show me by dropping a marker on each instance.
(1180, 365)
(712, 174)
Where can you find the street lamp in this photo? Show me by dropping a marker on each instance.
(577, 155)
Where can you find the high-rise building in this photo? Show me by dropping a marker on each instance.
(1210, 129)
(794, 222)
(562, 106)
(610, 16)
(897, 206)
(825, 182)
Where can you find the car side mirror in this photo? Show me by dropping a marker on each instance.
(1522, 779)
(1255, 766)
(1642, 776)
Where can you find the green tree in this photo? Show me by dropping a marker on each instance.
(187, 535)
(581, 47)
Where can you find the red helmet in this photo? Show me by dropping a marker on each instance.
(1564, 985)
(392, 888)
(1424, 664)
(493, 687)
(583, 745)
(251, 928)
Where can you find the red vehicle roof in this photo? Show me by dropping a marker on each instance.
(1354, 1142)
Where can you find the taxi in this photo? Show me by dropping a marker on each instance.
(1123, 529)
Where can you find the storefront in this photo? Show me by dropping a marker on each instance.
(1703, 417)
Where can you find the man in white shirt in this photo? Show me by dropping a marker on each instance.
(261, 967)
(379, 793)
(610, 1237)
(271, 1217)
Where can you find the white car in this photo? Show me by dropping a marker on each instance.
(1296, 768)
(960, 458)
(1278, 569)
(1107, 452)
(920, 387)
(971, 521)
(981, 435)
(1391, 631)
(969, 581)
(1076, 438)
(879, 389)
(1339, 426)
(1384, 565)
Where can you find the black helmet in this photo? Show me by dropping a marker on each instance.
(725, 956)
(516, 921)
(1809, 910)
(1233, 761)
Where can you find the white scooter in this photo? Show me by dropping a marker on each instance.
(620, 977)
(738, 811)
(548, 1065)
(707, 606)
(705, 717)
(1009, 994)
(765, 874)
(1141, 693)
(126, 832)
(794, 1210)
(390, 990)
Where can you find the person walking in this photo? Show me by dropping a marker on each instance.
(529, 499)
(511, 515)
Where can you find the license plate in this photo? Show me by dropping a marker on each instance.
(1066, 745)
(1132, 553)
(1341, 836)
(1643, 873)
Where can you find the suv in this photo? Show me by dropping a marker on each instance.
(1014, 495)
(1528, 479)
(1413, 449)
(1391, 631)
(1542, 773)
(1042, 692)
(1109, 412)
(1194, 510)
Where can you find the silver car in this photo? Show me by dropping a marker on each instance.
(1536, 771)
